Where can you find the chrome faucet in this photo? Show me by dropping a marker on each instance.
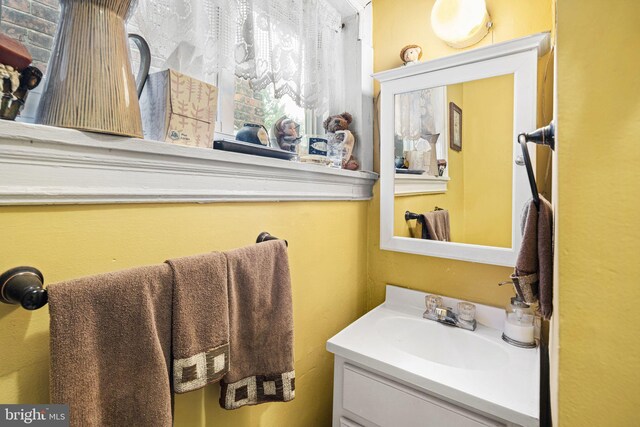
(465, 318)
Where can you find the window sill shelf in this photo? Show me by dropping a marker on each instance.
(408, 185)
(48, 165)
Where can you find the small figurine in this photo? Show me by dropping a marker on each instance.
(442, 165)
(286, 133)
(253, 133)
(339, 124)
(411, 54)
(17, 77)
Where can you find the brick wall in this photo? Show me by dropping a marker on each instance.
(33, 22)
(249, 105)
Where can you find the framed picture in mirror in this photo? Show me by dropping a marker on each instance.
(455, 127)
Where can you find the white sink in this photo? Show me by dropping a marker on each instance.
(442, 344)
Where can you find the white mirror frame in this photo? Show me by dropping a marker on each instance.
(518, 57)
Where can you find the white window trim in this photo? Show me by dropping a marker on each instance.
(411, 185)
(49, 165)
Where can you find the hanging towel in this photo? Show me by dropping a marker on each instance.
(261, 327)
(418, 231)
(437, 225)
(533, 275)
(200, 321)
(110, 347)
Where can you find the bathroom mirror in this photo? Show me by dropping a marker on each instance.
(451, 185)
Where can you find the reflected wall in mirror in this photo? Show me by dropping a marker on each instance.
(475, 206)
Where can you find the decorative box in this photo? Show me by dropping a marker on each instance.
(179, 109)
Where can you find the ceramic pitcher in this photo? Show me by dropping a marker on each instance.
(90, 85)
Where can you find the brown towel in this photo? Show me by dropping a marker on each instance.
(533, 275)
(110, 347)
(200, 321)
(261, 327)
(437, 225)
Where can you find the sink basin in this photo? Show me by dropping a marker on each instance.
(441, 344)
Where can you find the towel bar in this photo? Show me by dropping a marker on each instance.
(265, 237)
(25, 285)
(542, 136)
(410, 215)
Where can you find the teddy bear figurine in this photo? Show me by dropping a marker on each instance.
(286, 132)
(338, 126)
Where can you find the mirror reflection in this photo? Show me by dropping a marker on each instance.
(453, 158)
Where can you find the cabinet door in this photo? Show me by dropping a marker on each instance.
(386, 403)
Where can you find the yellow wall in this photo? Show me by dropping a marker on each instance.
(487, 141)
(397, 23)
(598, 205)
(327, 250)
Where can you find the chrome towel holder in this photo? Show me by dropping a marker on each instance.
(24, 285)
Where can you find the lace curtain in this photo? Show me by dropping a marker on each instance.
(415, 113)
(419, 115)
(294, 45)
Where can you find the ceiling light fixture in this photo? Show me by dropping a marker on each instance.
(460, 23)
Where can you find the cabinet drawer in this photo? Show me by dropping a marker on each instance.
(344, 422)
(387, 403)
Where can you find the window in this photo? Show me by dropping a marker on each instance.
(268, 59)
(293, 50)
(262, 107)
(199, 38)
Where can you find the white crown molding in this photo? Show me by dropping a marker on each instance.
(48, 165)
(540, 42)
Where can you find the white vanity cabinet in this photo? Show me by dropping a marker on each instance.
(393, 368)
(368, 399)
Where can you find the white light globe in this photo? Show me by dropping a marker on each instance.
(460, 23)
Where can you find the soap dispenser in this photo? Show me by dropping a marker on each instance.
(519, 323)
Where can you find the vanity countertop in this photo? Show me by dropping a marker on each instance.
(480, 370)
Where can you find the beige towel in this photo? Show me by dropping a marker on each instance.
(110, 347)
(533, 275)
(437, 225)
(200, 321)
(261, 327)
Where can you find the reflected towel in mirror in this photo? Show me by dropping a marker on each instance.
(437, 225)
(433, 225)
